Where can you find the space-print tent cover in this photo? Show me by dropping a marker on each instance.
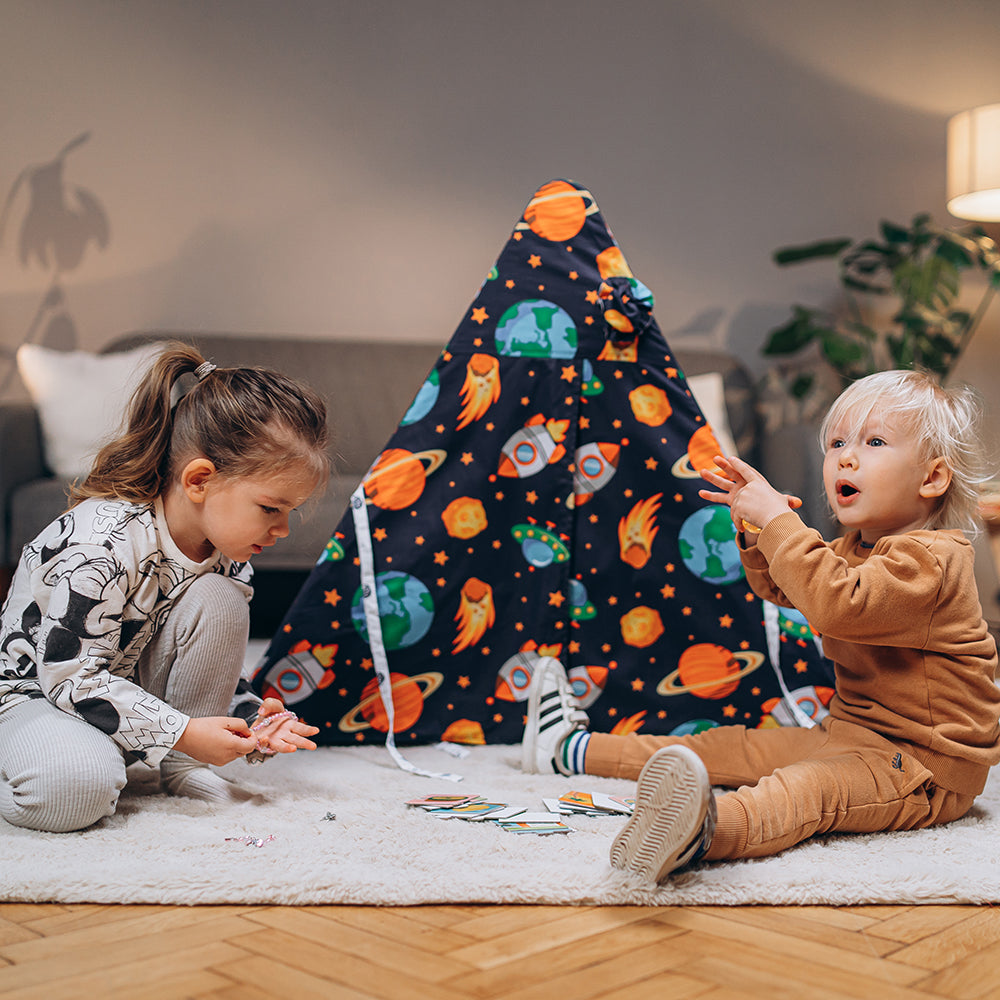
(540, 497)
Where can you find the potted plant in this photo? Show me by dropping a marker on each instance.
(921, 266)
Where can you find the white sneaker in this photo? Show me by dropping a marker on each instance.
(674, 816)
(553, 714)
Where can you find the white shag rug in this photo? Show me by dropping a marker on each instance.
(378, 851)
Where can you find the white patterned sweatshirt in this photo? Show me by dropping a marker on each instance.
(88, 595)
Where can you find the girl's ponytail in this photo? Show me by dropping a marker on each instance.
(246, 421)
(133, 467)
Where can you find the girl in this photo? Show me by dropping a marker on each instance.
(124, 633)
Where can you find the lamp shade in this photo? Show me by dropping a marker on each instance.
(974, 164)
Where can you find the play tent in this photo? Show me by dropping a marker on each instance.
(540, 497)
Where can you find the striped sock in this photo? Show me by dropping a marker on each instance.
(573, 752)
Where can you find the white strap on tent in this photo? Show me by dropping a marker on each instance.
(773, 632)
(362, 533)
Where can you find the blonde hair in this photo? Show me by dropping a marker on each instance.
(246, 421)
(946, 423)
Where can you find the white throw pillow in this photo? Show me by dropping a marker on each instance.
(709, 393)
(81, 399)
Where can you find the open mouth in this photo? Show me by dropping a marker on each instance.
(846, 490)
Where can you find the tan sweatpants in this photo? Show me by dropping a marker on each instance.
(791, 783)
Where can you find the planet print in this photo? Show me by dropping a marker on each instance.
(398, 477)
(650, 405)
(558, 211)
(536, 328)
(464, 731)
(693, 726)
(611, 263)
(641, 626)
(424, 400)
(405, 609)
(702, 448)
(707, 670)
(707, 542)
(464, 517)
(408, 694)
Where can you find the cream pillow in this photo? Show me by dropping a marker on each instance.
(80, 398)
(709, 393)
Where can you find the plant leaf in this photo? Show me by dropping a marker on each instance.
(810, 251)
(839, 350)
(797, 333)
(893, 233)
(932, 282)
(954, 253)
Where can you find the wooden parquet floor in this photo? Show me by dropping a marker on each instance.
(61, 952)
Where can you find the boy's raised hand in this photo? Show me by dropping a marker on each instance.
(751, 499)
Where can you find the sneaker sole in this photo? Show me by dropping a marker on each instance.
(671, 799)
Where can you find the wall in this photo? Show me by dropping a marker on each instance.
(334, 169)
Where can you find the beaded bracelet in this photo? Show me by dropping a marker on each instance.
(263, 750)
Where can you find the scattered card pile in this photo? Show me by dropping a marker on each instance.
(590, 804)
(517, 819)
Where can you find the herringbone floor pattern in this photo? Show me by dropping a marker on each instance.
(61, 952)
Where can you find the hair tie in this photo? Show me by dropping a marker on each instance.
(186, 382)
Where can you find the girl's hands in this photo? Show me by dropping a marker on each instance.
(285, 735)
(751, 499)
(219, 740)
(215, 740)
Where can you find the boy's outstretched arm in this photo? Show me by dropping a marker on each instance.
(751, 499)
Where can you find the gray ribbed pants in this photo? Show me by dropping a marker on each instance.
(59, 773)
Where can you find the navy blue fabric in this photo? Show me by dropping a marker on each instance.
(540, 497)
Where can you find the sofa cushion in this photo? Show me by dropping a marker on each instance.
(80, 398)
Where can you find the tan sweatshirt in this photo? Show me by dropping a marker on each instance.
(903, 625)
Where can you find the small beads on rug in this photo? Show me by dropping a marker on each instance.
(252, 841)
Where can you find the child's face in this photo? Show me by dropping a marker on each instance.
(875, 480)
(241, 517)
